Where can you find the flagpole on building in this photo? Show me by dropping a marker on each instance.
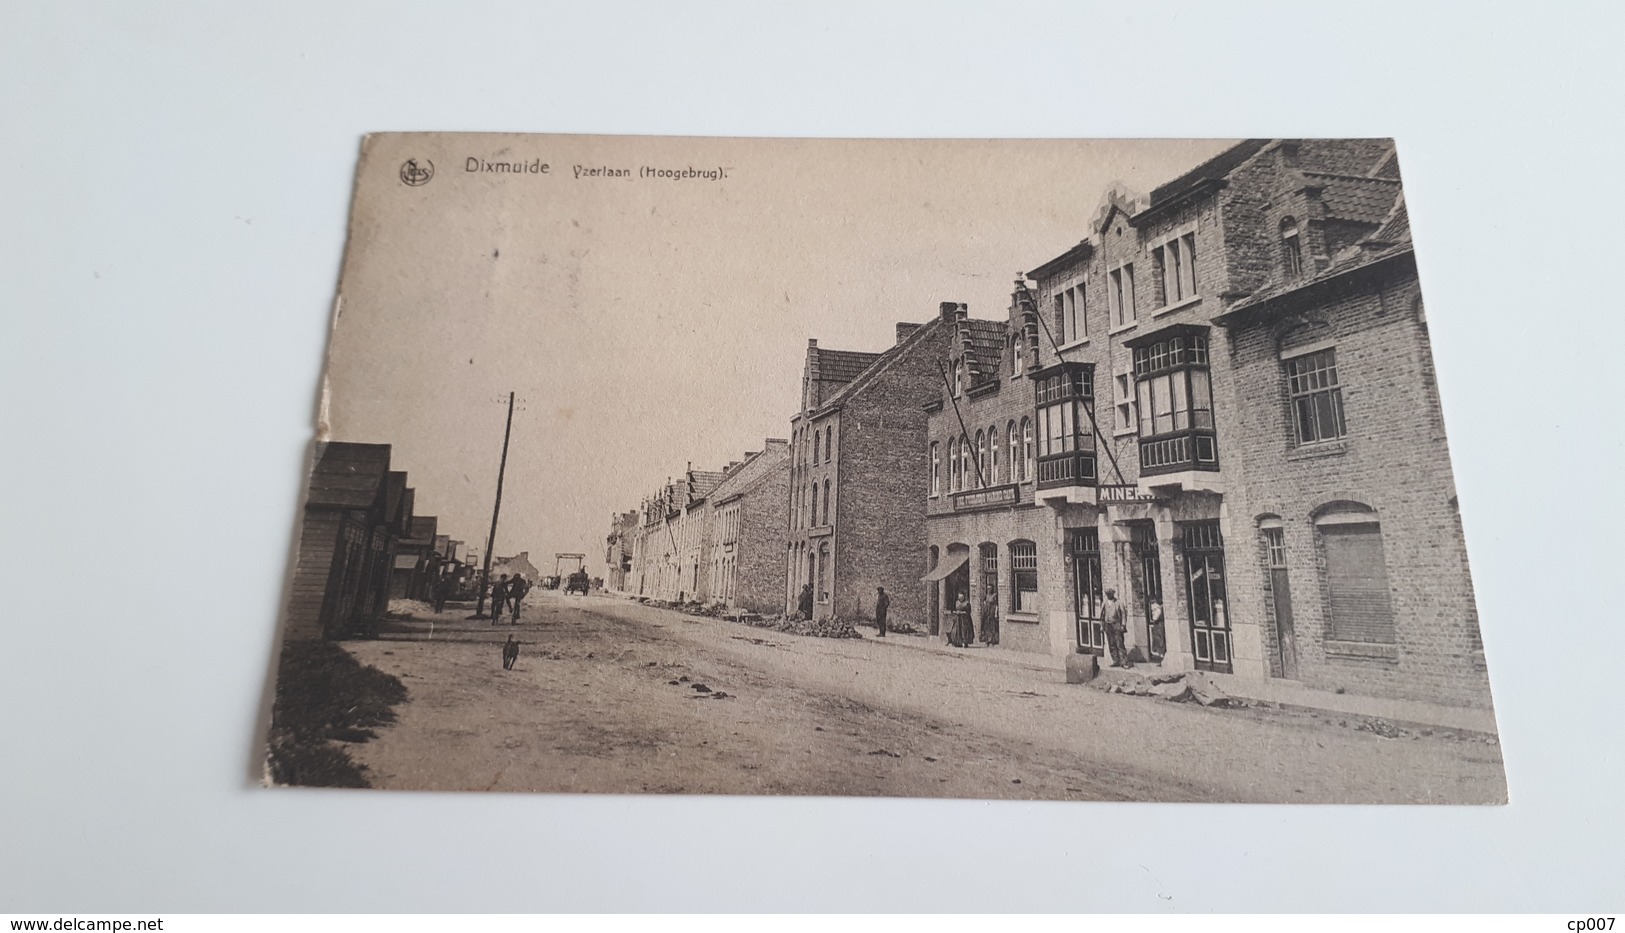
(491, 541)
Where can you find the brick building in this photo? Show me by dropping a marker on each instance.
(747, 530)
(856, 515)
(1237, 428)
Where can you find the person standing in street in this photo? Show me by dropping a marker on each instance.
(516, 592)
(961, 634)
(990, 619)
(499, 598)
(1111, 613)
(882, 605)
(804, 605)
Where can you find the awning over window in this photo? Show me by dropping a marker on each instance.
(954, 562)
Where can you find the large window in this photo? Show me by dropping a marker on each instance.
(816, 438)
(1175, 262)
(1024, 576)
(1175, 405)
(829, 443)
(953, 464)
(1317, 399)
(1120, 295)
(1070, 314)
(828, 517)
(814, 520)
(1066, 441)
(936, 468)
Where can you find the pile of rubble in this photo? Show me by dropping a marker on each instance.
(795, 625)
(1178, 686)
(407, 608)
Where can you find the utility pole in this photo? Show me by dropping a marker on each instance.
(491, 542)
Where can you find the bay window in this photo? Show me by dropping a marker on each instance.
(1174, 398)
(1065, 396)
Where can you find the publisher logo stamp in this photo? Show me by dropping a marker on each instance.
(417, 172)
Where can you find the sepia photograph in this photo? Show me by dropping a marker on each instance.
(1072, 470)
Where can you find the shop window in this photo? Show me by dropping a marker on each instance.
(1024, 576)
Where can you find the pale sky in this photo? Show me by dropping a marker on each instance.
(649, 322)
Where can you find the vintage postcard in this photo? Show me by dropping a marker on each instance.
(1022, 469)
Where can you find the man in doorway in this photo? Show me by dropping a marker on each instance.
(882, 604)
(1111, 613)
(804, 605)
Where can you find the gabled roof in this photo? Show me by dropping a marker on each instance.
(880, 365)
(750, 474)
(347, 476)
(843, 365)
(1212, 170)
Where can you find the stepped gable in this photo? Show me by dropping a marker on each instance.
(982, 345)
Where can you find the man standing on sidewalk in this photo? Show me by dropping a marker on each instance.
(882, 604)
(1111, 612)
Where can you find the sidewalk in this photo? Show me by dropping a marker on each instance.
(1281, 692)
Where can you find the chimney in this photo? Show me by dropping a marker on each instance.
(905, 329)
(947, 310)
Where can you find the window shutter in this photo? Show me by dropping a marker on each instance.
(1357, 582)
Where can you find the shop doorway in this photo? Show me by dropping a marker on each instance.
(1088, 593)
(1147, 570)
(1209, 607)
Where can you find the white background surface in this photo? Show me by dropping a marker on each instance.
(174, 182)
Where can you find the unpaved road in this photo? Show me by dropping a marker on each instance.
(591, 706)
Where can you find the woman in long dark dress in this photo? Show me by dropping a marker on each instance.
(990, 620)
(962, 634)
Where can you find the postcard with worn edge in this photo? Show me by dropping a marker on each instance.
(984, 469)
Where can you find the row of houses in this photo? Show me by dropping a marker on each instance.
(1220, 404)
(709, 536)
(361, 545)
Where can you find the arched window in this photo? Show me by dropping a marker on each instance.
(981, 458)
(828, 519)
(1291, 249)
(993, 455)
(953, 463)
(1027, 465)
(959, 376)
(936, 468)
(1013, 449)
(814, 521)
(816, 438)
(829, 444)
(967, 469)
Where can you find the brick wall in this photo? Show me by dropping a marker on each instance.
(1393, 460)
(759, 582)
(881, 483)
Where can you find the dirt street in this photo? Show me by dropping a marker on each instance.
(606, 697)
